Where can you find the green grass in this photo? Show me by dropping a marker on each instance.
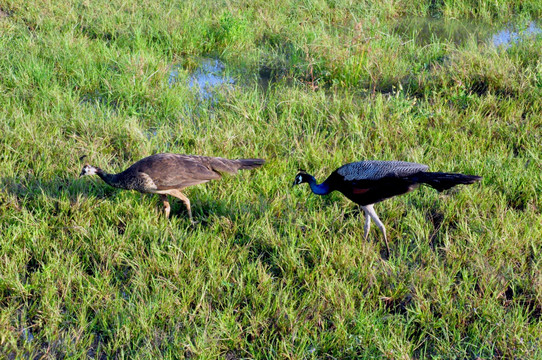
(271, 271)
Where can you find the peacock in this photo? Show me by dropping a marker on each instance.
(369, 182)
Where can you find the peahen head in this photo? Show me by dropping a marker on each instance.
(89, 170)
(302, 177)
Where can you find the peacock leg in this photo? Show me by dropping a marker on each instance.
(367, 225)
(371, 212)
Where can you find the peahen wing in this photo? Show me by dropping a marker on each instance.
(175, 171)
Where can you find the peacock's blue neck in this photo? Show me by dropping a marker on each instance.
(319, 189)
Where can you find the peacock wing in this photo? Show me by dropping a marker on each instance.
(371, 170)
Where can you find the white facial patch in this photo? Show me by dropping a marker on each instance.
(89, 170)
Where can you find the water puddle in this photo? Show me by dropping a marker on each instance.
(151, 132)
(27, 335)
(208, 79)
(427, 30)
(94, 101)
(93, 98)
(513, 34)
(270, 75)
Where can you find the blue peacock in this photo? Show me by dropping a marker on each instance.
(369, 182)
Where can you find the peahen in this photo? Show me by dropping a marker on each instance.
(167, 174)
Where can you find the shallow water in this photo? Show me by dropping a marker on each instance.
(151, 132)
(207, 79)
(27, 335)
(427, 30)
(513, 34)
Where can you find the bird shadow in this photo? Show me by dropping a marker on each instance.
(204, 209)
(31, 187)
(23, 191)
(355, 212)
(436, 218)
(375, 236)
(441, 223)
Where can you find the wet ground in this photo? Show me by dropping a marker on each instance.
(427, 30)
(207, 79)
(514, 33)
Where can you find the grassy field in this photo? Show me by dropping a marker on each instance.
(270, 271)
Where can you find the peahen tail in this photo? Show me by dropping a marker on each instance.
(222, 165)
(250, 163)
(444, 181)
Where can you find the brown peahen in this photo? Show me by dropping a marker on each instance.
(167, 174)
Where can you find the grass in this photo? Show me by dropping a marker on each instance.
(270, 271)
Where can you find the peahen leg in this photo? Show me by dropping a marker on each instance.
(184, 198)
(166, 204)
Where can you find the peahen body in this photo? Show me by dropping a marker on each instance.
(167, 174)
(369, 182)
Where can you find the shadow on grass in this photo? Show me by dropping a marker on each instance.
(28, 190)
(71, 188)
(204, 208)
(435, 217)
(375, 234)
(399, 305)
(526, 298)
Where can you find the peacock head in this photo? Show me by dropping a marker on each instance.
(88, 170)
(302, 177)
